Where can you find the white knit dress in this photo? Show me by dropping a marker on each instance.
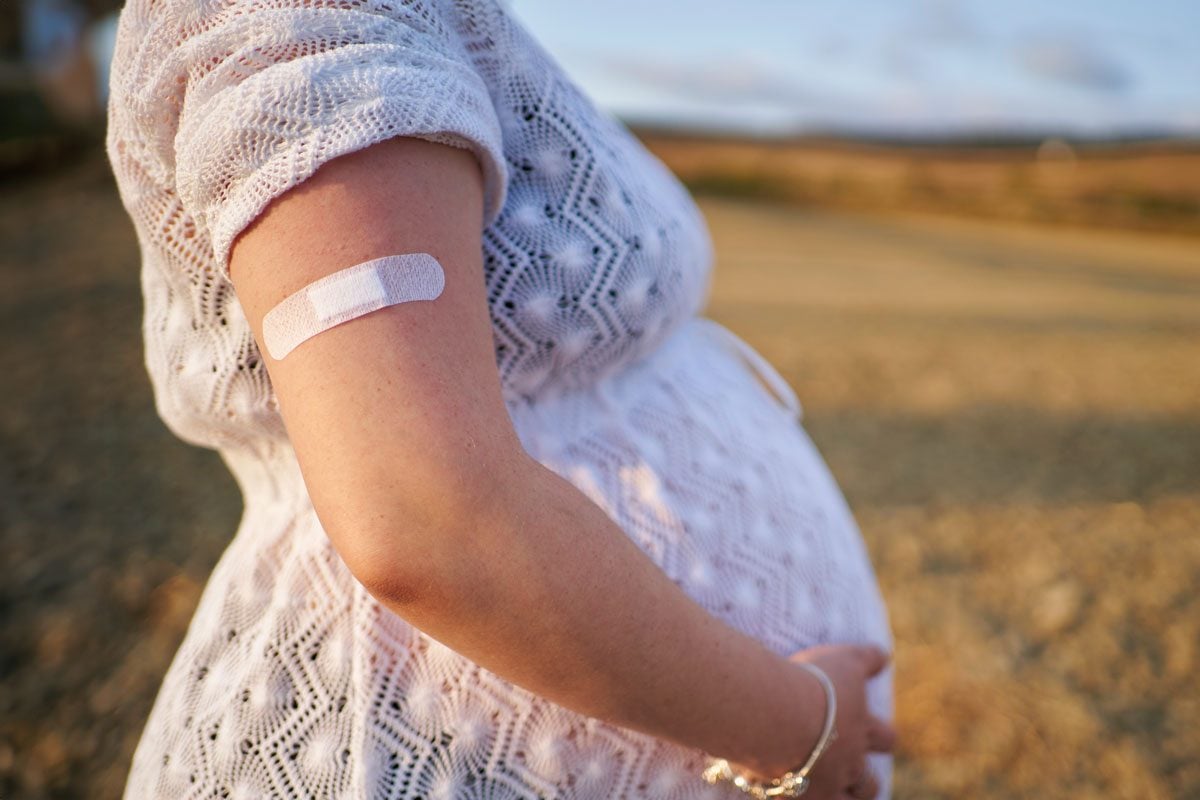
(292, 681)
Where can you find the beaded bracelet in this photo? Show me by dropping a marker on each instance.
(795, 782)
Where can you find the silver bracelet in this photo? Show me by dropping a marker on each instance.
(795, 782)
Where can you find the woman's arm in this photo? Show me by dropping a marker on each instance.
(422, 485)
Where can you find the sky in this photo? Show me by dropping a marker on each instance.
(1075, 67)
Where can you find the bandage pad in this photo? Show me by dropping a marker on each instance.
(349, 293)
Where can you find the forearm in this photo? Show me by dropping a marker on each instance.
(395, 416)
(545, 590)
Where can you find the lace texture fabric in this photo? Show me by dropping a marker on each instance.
(292, 681)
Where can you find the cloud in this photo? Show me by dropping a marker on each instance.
(941, 22)
(719, 78)
(1070, 61)
(900, 61)
(832, 46)
(926, 26)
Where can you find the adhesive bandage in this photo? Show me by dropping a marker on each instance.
(349, 293)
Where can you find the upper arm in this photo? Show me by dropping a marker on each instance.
(396, 416)
(310, 138)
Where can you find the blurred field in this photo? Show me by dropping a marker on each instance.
(1013, 413)
(1153, 185)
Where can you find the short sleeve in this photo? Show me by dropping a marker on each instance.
(276, 89)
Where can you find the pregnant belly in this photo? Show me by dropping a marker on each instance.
(716, 480)
(709, 474)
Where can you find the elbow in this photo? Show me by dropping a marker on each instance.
(389, 574)
(401, 562)
(432, 548)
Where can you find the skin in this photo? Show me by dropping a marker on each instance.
(424, 489)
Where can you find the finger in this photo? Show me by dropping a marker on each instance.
(881, 736)
(865, 788)
(875, 658)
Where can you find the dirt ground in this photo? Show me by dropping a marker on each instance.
(1012, 412)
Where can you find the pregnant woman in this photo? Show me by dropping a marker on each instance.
(537, 529)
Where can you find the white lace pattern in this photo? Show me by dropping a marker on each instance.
(293, 682)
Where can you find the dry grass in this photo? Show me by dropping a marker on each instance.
(1148, 186)
(1013, 413)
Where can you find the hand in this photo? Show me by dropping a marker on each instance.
(840, 773)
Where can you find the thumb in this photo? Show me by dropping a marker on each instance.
(875, 658)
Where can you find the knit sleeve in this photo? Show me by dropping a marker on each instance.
(275, 89)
